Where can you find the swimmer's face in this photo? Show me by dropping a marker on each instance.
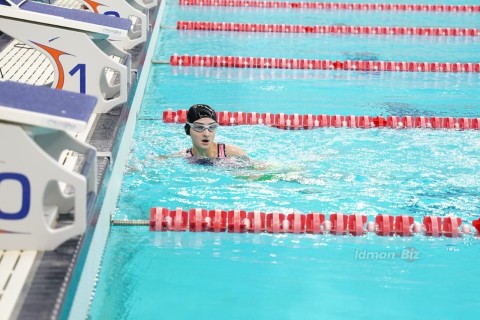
(204, 139)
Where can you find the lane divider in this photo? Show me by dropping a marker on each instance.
(290, 28)
(240, 221)
(333, 5)
(317, 64)
(310, 121)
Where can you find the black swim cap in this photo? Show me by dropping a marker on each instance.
(199, 111)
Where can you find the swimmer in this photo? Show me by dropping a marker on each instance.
(202, 126)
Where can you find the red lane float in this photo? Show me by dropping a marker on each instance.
(451, 227)
(256, 222)
(276, 223)
(217, 220)
(239, 221)
(338, 224)
(162, 219)
(316, 64)
(357, 224)
(332, 5)
(296, 223)
(290, 28)
(384, 225)
(309, 121)
(199, 220)
(432, 226)
(404, 225)
(314, 222)
(476, 225)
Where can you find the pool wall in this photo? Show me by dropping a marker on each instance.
(84, 273)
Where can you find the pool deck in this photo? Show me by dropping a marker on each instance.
(52, 278)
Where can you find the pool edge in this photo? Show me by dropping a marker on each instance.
(85, 287)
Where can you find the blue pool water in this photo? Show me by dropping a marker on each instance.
(420, 172)
(147, 275)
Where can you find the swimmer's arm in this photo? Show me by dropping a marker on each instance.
(264, 171)
(132, 168)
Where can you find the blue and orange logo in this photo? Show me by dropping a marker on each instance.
(94, 5)
(56, 54)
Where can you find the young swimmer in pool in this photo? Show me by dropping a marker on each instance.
(202, 126)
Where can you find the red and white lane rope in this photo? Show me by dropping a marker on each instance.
(317, 64)
(290, 28)
(238, 221)
(333, 5)
(310, 121)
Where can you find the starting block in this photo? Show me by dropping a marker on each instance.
(34, 185)
(127, 10)
(78, 44)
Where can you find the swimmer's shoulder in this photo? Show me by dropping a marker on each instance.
(234, 151)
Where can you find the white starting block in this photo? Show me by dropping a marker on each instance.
(122, 9)
(76, 42)
(34, 185)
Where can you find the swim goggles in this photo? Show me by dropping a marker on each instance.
(200, 127)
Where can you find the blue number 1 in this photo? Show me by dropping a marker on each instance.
(83, 70)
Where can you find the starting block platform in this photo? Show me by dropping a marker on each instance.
(36, 125)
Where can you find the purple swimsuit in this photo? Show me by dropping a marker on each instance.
(207, 161)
